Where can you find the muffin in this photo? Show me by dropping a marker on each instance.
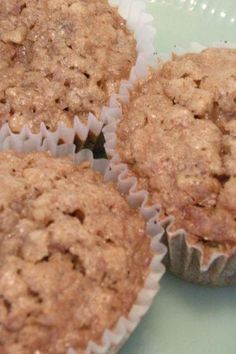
(73, 257)
(60, 59)
(178, 135)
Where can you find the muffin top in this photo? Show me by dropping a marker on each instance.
(179, 136)
(73, 255)
(60, 58)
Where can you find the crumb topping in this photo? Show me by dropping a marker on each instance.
(179, 136)
(73, 255)
(60, 58)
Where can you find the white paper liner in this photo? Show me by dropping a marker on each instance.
(112, 339)
(140, 22)
(183, 259)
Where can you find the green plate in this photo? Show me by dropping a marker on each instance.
(180, 22)
(186, 318)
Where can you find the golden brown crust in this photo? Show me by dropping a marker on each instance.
(60, 58)
(73, 255)
(179, 136)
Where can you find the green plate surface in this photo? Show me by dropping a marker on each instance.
(186, 318)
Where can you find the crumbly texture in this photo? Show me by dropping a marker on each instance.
(73, 255)
(179, 136)
(60, 58)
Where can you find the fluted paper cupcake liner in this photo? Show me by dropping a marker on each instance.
(183, 259)
(112, 339)
(89, 135)
(186, 261)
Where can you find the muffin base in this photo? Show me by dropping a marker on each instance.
(186, 262)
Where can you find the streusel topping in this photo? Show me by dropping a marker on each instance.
(73, 255)
(60, 58)
(179, 136)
